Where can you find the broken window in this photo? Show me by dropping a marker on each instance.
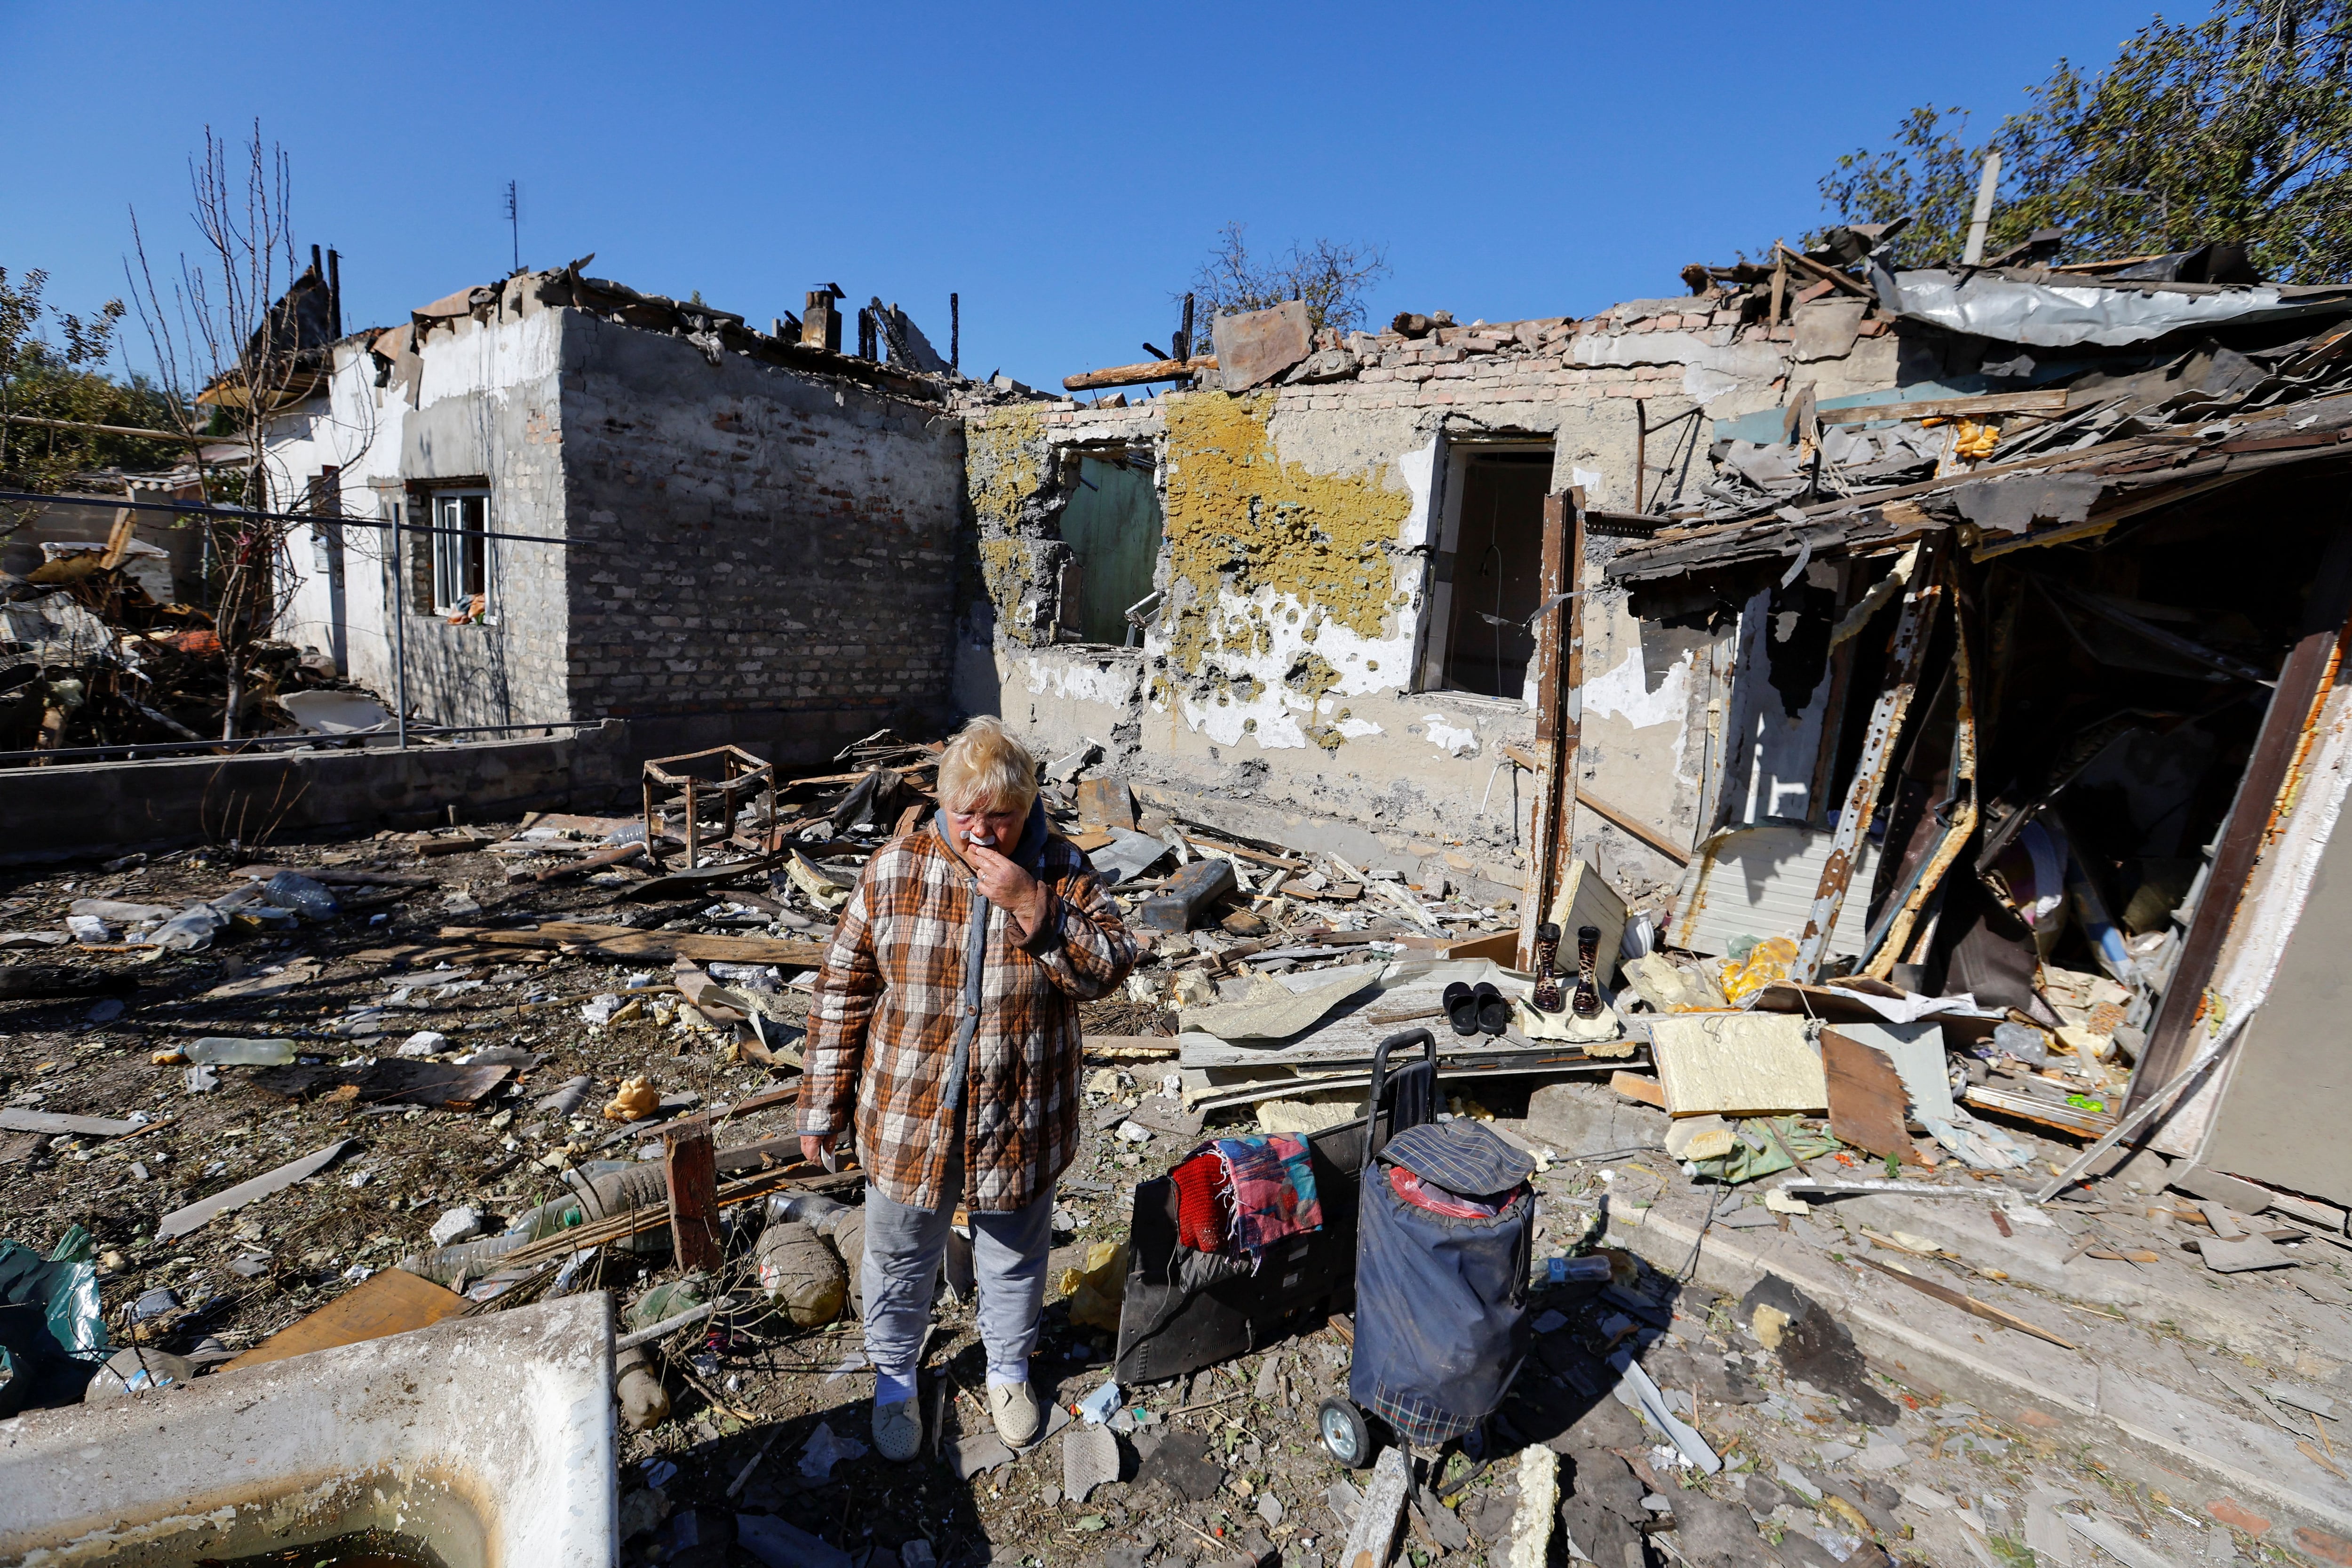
(1112, 526)
(1486, 582)
(461, 552)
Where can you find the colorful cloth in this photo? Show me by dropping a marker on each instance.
(1202, 1198)
(889, 1004)
(1272, 1189)
(1422, 1195)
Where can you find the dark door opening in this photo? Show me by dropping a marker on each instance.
(1112, 525)
(1498, 566)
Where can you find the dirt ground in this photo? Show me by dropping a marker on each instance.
(769, 1423)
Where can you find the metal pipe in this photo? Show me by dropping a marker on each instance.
(399, 631)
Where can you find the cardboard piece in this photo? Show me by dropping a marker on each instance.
(390, 1303)
(1586, 899)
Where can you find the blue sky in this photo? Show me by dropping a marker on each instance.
(1064, 168)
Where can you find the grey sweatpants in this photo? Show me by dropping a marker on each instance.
(903, 1249)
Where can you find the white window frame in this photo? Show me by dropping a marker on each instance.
(463, 567)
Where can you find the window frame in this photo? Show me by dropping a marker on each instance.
(455, 559)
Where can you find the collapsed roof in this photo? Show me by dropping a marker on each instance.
(2062, 463)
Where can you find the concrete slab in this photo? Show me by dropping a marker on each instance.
(2150, 1429)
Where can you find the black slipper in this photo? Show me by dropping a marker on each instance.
(1462, 1008)
(1494, 1008)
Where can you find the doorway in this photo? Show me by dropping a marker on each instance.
(1487, 577)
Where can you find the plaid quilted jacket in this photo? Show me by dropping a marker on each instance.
(892, 1000)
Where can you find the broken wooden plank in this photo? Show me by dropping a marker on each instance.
(2051, 402)
(181, 1222)
(1915, 627)
(1621, 817)
(341, 876)
(1502, 946)
(1967, 1303)
(625, 942)
(1372, 1533)
(388, 1080)
(463, 845)
(1183, 900)
(2033, 1107)
(391, 1301)
(596, 862)
(1258, 857)
(18, 1120)
(691, 1164)
(1866, 1099)
(1633, 1086)
(697, 879)
(1139, 375)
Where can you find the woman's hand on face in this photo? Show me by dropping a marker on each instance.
(1004, 884)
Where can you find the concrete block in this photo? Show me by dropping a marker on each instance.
(1580, 1119)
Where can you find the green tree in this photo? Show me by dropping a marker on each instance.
(65, 383)
(2238, 127)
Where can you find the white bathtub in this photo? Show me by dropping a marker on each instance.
(490, 1438)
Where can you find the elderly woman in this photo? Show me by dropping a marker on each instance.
(947, 1015)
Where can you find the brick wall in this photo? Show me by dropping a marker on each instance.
(755, 542)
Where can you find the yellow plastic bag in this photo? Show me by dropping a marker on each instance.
(1770, 961)
(1097, 1290)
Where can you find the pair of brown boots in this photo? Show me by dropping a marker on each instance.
(1586, 1003)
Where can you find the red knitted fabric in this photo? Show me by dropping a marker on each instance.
(1200, 1209)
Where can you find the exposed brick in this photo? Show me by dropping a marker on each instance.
(2237, 1516)
(2321, 1544)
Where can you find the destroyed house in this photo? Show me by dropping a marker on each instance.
(617, 505)
(1971, 628)
(2029, 694)
(1302, 589)
(1305, 590)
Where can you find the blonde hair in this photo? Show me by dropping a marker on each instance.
(984, 768)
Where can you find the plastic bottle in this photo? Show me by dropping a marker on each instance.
(293, 891)
(137, 1370)
(643, 1401)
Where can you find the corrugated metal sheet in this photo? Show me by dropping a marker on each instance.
(1760, 881)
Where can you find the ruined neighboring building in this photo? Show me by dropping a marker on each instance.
(2052, 694)
(1338, 567)
(616, 505)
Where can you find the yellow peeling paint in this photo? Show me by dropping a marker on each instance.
(1241, 520)
(1004, 450)
(1005, 454)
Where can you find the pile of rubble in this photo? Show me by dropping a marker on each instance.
(88, 657)
(258, 1106)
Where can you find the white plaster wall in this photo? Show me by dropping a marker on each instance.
(361, 429)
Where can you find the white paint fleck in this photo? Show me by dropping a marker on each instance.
(1624, 692)
(1357, 729)
(1076, 681)
(1703, 386)
(1456, 742)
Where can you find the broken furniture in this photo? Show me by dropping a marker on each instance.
(686, 779)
